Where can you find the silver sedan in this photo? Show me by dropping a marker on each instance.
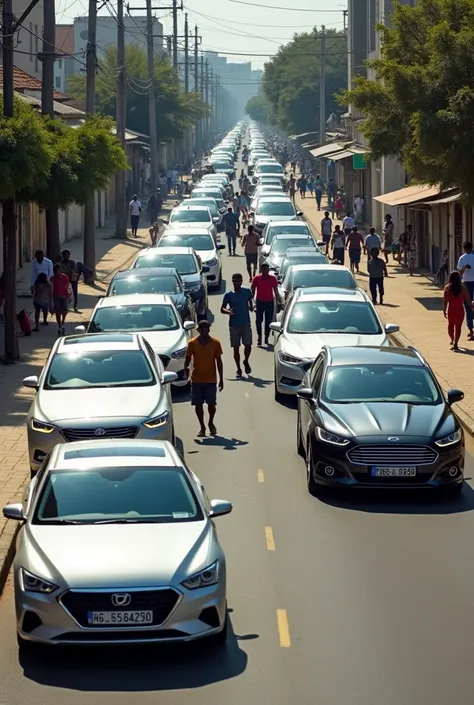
(118, 545)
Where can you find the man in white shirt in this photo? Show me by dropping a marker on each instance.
(135, 208)
(40, 264)
(372, 241)
(348, 223)
(326, 229)
(466, 268)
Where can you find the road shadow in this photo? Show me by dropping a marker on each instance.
(220, 441)
(218, 291)
(289, 401)
(386, 305)
(431, 303)
(257, 382)
(135, 668)
(395, 501)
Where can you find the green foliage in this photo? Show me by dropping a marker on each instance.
(257, 108)
(175, 111)
(421, 108)
(291, 80)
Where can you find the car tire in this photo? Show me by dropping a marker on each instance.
(219, 639)
(299, 441)
(278, 395)
(173, 437)
(313, 488)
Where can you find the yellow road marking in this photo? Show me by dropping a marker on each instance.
(247, 395)
(260, 476)
(283, 629)
(269, 538)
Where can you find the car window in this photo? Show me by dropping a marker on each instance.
(280, 246)
(197, 242)
(275, 208)
(381, 383)
(317, 258)
(189, 216)
(123, 494)
(134, 317)
(269, 169)
(316, 373)
(161, 284)
(184, 264)
(110, 368)
(338, 278)
(211, 204)
(274, 230)
(333, 317)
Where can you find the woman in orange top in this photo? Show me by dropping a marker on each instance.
(455, 294)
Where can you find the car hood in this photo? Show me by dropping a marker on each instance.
(118, 555)
(206, 255)
(165, 342)
(308, 345)
(90, 404)
(191, 279)
(389, 419)
(267, 218)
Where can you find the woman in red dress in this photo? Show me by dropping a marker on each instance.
(455, 294)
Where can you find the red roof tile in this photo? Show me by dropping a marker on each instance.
(65, 38)
(22, 82)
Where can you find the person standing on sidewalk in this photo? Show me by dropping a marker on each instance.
(354, 243)
(135, 208)
(292, 187)
(338, 242)
(456, 299)
(205, 352)
(238, 304)
(231, 221)
(466, 269)
(265, 291)
(318, 190)
(326, 230)
(69, 268)
(40, 264)
(251, 243)
(61, 290)
(377, 271)
(387, 236)
(42, 299)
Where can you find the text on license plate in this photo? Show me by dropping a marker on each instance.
(393, 472)
(130, 617)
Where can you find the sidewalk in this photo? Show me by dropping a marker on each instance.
(111, 255)
(416, 305)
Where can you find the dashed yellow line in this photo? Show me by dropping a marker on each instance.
(269, 538)
(247, 395)
(260, 476)
(283, 629)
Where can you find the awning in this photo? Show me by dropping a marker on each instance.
(443, 199)
(407, 195)
(356, 149)
(326, 149)
(345, 154)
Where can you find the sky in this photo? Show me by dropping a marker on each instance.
(232, 28)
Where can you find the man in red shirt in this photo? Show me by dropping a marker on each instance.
(60, 284)
(265, 289)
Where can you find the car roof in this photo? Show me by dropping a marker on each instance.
(289, 236)
(386, 355)
(148, 272)
(313, 293)
(303, 251)
(155, 251)
(184, 207)
(99, 341)
(287, 224)
(317, 267)
(117, 453)
(177, 231)
(134, 300)
(274, 199)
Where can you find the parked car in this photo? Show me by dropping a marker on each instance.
(205, 247)
(303, 276)
(279, 246)
(191, 216)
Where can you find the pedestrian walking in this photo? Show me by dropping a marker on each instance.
(303, 186)
(318, 190)
(69, 268)
(238, 304)
(412, 250)
(311, 185)
(292, 187)
(388, 237)
(338, 206)
(338, 242)
(42, 299)
(61, 293)
(354, 244)
(456, 300)
(40, 264)
(359, 209)
(348, 223)
(442, 272)
(331, 191)
(265, 291)
(251, 243)
(326, 229)
(205, 353)
(372, 240)
(155, 203)
(377, 271)
(154, 232)
(230, 221)
(466, 269)
(135, 208)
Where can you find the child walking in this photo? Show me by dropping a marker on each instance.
(42, 299)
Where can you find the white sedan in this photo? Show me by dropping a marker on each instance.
(204, 245)
(184, 216)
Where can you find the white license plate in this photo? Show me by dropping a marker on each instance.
(130, 617)
(393, 472)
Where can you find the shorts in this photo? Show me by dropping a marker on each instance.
(252, 258)
(354, 254)
(134, 220)
(60, 305)
(240, 335)
(41, 307)
(203, 393)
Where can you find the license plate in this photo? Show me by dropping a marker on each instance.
(130, 617)
(393, 472)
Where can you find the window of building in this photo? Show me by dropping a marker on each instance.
(57, 82)
(60, 63)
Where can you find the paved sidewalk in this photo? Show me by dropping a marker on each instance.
(416, 305)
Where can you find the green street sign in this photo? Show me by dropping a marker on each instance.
(358, 161)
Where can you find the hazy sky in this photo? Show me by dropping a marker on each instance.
(234, 29)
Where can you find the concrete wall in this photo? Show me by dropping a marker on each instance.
(26, 40)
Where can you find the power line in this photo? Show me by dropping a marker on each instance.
(279, 7)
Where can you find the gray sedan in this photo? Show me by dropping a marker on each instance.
(118, 545)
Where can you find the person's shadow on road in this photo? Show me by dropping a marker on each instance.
(222, 441)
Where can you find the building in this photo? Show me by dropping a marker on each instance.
(28, 40)
(237, 78)
(64, 66)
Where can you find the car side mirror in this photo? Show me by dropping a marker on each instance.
(391, 328)
(219, 507)
(455, 395)
(221, 247)
(189, 325)
(166, 221)
(14, 511)
(321, 243)
(80, 329)
(169, 377)
(305, 393)
(275, 326)
(31, 382)
(205, 269)
(299, 213)
(261, 241)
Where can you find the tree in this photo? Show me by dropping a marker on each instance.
(420, 108)
(176, 112)
(291, 80)
(257, 108)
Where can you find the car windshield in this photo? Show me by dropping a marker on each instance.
(317, 258)
(162, 284)
(223, 165)
(380, 383)
(189, 216)
(211, 193)
(275, 208)
(280, 246)
(275, 230)
(184, 264)
(133, 317)
(99, 368)
(197, 242)
(117, 494)
(338, 278)
(269, 169)
(209, 203)
(333, 317)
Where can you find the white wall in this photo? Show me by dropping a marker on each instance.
(26, 41)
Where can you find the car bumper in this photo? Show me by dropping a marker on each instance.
(289, 377)
(197, 614)
(212, 276)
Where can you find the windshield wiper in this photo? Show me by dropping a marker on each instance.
(61, 521)
(116, 521)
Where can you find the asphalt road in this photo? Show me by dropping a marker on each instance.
(362, 598)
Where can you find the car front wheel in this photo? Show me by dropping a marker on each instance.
(299, 439)
(313, 488)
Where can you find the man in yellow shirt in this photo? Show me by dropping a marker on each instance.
(205, 352)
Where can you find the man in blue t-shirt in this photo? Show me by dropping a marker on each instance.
(237, 305)
(231, 224)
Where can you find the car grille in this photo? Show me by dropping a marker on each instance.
(392, 456)
(86, 434)
(160, 602)
(165, 359)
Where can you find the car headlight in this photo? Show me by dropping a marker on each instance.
(42, 427)
(177, 354)
(206, 577)
(211, 262)
(195, 287)
(158, 421)
(327, 437)
(450, 440)
(216, 219)
(32, 583)
(290, 359)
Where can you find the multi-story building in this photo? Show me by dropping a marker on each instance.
(29, 38)
(64, 66)
(236, 77)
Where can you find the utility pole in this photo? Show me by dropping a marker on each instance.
(206, 87)
(120, 112)
(186, 54)
(91, 68)
(344, 19)
(196, 60)
(151, 99)
(8, 205)
(322, 88)
(175, 34)
(48, 56)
